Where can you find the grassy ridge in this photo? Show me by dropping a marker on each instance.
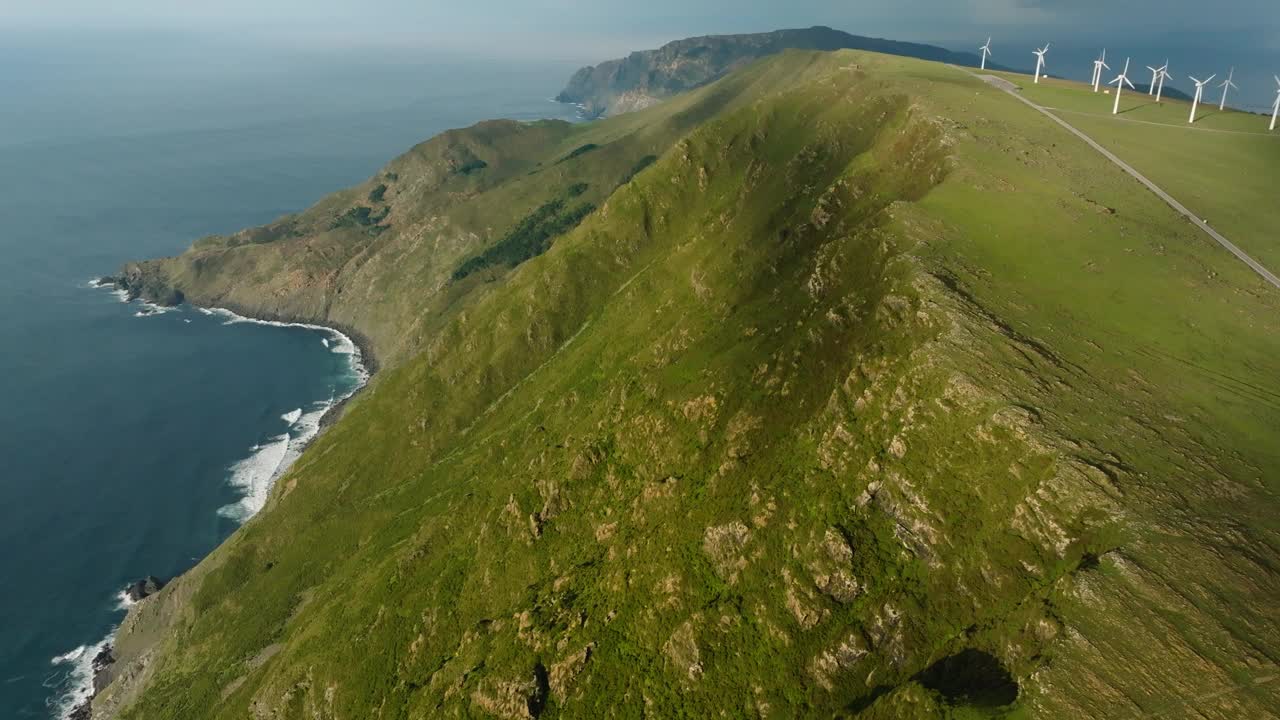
(871, 368)
(1225, 167)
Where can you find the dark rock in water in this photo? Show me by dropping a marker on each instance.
(142, 280)
(146, 587)
(101, 663)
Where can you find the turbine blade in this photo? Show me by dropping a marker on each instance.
(1126, 82)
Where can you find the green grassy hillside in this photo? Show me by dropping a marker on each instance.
(875, 393)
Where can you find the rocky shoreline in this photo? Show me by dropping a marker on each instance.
(102, 663)
(137, 282)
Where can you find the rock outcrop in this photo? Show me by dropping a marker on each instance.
(144, 588)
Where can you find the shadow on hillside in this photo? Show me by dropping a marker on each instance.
(971, 677)
(1139, 106)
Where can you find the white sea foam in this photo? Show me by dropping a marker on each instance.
(324, 341)
(256, 474)
(101, 284)
(158, 309)
(72, 683)
(304, 431)
(149, 309)
(338, 342)
(124, 601)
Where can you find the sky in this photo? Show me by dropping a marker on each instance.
(1201, 36)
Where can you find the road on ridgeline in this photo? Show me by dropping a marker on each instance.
(1231, 247)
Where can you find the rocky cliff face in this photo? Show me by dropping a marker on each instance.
(644, 78)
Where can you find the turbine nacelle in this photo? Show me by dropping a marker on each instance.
(1201, 83)
(1195, 102)
(1121, 80)
(1164, 75)
(1227, 83)
(1040, 59)
(1098, 66)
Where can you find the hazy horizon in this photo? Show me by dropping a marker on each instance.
(1243, 33)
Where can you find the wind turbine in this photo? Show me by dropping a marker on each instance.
(1227, 85)
(1164, 73)
(1155, 76)
(1275, 109)
(1040, 60)
(986, 50)
(1120, 82)
(1199, 94)
(1098, 66)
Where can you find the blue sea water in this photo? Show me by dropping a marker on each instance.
(124, 433)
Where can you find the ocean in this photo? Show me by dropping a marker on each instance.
(134, 440)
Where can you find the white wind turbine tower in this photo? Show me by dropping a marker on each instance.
(1227, 85)
(1275, 109)
(1120, 82)
(1098, 66)
(1195, 103)
(1155, 76)
(986, 51)
(1164, 73)
(1040, 60)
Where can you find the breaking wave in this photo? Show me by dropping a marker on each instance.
(72, 681)
(256, 474)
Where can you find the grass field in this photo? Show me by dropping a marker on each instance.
(1226, 167)
(873, 372)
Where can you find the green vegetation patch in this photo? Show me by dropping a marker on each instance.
(362, 216)
(639, 167)
(471, 166)
(580, 151)
(533, 235)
